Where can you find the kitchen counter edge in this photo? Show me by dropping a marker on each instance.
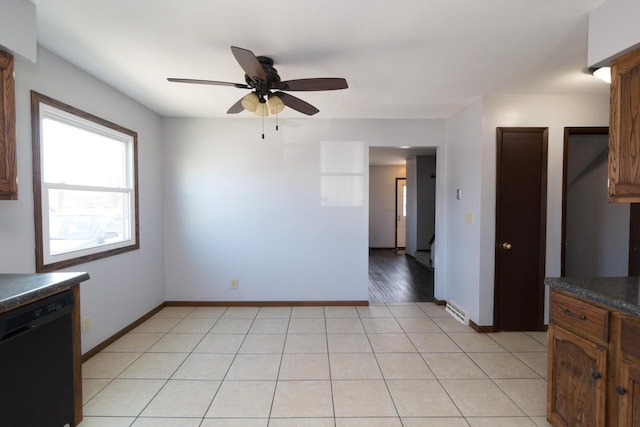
(20, 289)
(618, 293)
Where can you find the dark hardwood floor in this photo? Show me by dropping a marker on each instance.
(398, 278)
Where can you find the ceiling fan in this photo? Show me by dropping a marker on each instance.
(268, 92)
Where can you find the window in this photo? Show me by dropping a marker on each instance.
(85, 186)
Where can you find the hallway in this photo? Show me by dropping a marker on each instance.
(398, 278)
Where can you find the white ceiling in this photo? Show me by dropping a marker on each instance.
(401, 58)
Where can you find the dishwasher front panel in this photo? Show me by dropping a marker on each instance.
(36, 364)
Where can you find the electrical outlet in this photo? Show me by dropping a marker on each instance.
(234, 283)
(86, 324)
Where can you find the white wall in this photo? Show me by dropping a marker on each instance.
(613, 28)
(287, 216)
(382, 204)
(124, 287)
(411, 243)
(439, 248)
(471, 167)
(18, 27)
(464, 153)
(556, 113)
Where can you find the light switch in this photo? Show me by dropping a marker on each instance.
(468, 218)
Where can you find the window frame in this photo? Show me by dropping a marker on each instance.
(92, 123)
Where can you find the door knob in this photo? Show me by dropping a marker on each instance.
(506, 246)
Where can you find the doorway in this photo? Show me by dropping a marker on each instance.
(521, 194)
(595, 233)
(401, 214)
(398, 215)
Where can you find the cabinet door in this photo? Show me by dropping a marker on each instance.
(628, 390)
(624, 131)
(577, 380)
(8, 179)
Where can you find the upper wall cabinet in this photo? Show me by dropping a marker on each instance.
(8, 170)
(624, 130)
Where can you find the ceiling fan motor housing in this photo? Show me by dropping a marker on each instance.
(273, 79)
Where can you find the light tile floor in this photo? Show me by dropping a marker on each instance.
(387, 365)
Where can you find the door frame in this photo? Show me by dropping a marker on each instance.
(543, 220)
(395, 235)
(568, 131)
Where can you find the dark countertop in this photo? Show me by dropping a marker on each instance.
(21, 289)
(618, 293)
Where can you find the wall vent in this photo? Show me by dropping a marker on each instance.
(459, 314)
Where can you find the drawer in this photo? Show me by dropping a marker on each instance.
(581, 317)
(630, 337)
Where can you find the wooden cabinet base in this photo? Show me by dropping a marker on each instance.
(594, 365)
(577, 380)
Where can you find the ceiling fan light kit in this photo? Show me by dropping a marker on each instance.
(275, 105)
(262, 110)
(262, 78)
(250, 102)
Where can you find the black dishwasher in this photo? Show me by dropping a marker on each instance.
(36, 364)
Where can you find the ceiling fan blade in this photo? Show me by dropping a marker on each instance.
(297, 104)
(325, 83)
(209, 82)
(249, 63)
(236, 108)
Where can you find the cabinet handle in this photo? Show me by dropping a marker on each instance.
(574, 315)
(595, 374)
(621, 390)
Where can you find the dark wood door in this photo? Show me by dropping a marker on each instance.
(578, 380)
(520, 229)
(634, 240)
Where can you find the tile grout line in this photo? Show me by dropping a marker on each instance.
(277, 381)
(368, 335)
(436, 376)
(111, 380)
(326, 337)
(228, 368)
(375, 356)
(174, 371)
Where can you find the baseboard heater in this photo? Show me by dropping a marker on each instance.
(458, 313)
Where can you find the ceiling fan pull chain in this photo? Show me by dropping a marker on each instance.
(276, 121)
(263, 127)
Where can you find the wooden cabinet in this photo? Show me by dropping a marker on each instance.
(628, 389)
(578, 375)
(625, 386)
(8, 171)
(624, 129)
(577, 381)
(594, 365)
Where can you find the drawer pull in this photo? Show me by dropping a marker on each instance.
(621, 390)
(595, 374)
(574, 315)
